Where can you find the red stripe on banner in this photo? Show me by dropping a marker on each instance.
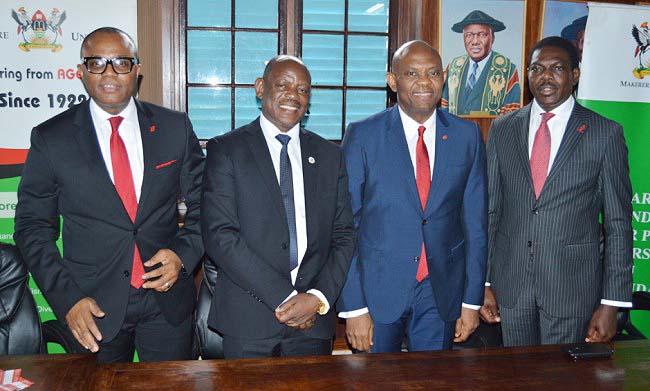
(13, 156)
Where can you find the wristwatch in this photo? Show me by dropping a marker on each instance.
(322, 308)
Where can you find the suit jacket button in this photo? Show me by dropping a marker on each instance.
(424, 222)
(530, 243)
(284, 246)
(135, 232)
(416, 258)
(126, 273)
(535, 211)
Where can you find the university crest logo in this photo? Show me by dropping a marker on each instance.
(37, 30)
(641, 35)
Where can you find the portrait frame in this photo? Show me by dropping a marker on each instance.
(509, 43)
(559, 14)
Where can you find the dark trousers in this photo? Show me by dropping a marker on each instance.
(420, 323)
(146, 330)
(527, 324)
(289, 343)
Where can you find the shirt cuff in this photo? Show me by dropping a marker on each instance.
(620, 304)
(353, 314)
(487, 283)
(321, 297)
(472, 306)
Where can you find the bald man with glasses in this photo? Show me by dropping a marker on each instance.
(113, 168)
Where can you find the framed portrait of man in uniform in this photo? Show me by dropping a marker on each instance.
(482, 49)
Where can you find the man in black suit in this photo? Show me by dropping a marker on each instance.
(276, 221)
(113, 167)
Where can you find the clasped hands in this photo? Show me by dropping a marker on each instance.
(81, 317)
(299, 312)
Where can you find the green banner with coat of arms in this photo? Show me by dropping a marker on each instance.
(615, 82)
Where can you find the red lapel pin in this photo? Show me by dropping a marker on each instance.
(152, 129)
(582, 128)
(444, 137)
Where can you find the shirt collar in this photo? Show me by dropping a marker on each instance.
(270, 130)
(481, 64)
(564, 110)
(100, 115)
(410, 123)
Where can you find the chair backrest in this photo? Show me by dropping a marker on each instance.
(20, 326)
(210, 342)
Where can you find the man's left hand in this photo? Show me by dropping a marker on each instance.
(603, 324)
(466, 324)
(170, 266)
(299, 311)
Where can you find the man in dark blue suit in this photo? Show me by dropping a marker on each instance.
(417, 181)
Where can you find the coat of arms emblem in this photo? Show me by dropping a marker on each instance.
(39, 31)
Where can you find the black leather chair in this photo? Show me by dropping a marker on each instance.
(20, 326)
(210, 342)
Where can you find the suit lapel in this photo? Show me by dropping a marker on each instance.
(397, 146)
(310, 167)
(145, 120)
(442, 148)
(569, 142)
(262, 157)
(521, 127)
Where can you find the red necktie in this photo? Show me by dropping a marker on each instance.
(123, 180)
(423, 181)
(540, 154)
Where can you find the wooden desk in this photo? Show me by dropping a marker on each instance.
(53, 372)
(542, 367)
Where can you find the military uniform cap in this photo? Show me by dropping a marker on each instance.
(571, 31)
(478, 17)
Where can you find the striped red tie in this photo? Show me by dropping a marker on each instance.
(540, 155)
(123, 179)
(423, 181)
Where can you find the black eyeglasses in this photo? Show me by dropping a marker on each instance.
(121, 65)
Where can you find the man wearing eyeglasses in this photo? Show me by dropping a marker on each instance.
(555, 169)
(113, 168)
(482, 81)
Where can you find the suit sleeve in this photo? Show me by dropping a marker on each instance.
(614, 181)
(222, 237)
(333, 275)
(352, 297)
(187, 243)
(475, 225)
(494, 196)
(37, 228)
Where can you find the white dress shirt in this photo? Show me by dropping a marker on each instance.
(557, 126)
(295, 157)
(411, 133)
(129, 131)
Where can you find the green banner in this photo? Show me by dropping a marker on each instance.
(635, 117)
(614, 82)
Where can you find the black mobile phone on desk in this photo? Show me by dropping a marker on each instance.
(586, 350)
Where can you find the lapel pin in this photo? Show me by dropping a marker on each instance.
(582, 128)
(444, 137)
(311, 160)
(152, 129)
